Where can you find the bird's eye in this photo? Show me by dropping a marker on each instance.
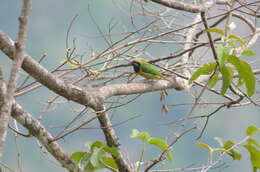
(135, 64)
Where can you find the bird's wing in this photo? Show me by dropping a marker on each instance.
(149, 68)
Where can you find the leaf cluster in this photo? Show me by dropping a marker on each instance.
(228, 62)
(161, 144)
(230, 148)
(98, 157)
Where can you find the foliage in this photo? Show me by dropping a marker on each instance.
(228, 52)
(145, 137)
(230, 148)
(97, 157)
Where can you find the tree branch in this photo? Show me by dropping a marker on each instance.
(37, 130)
(92, 98)
(5, 110)
(180, 5)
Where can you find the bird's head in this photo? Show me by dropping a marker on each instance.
(136, 64)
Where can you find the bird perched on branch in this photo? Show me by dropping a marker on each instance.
(147, 70)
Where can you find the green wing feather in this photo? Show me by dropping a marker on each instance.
(148, 68)
(151, 70)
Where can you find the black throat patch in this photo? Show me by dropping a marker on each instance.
(136, 66)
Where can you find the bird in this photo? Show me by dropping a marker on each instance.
(147, 70)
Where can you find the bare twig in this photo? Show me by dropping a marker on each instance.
(163, 154)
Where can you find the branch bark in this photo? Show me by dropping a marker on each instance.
(37, 130)
(192, 8)
(180, 5)
(5, 110)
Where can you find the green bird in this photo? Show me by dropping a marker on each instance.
(146, 69)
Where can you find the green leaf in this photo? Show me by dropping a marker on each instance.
(254, 155)
(204, 145)
(253, 142)
(144, 136)
(110, 162)
(231, 43)
(83, 159)
(251, 130)
(227, 75)
(85, 162)
(215, 30)
(111, 150)
(235, 61)
(70, 62)
(76, 156)
(213, 80)
(235, 154)
(206, 69)
(162, 145)
(249, 77)
(223, 53)
(220, 150)
(228, 144)
(240, 40)
(95, 159)
(248, 53)
(97, 144)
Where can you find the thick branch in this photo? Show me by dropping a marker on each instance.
(37, 129)
(111, 138)
(5, 109)
(192, 8)
(49, 80)
(91, 98)
(42, 134)
(180, 5)
(137, 88)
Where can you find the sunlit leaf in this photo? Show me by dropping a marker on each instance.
(206, 69)
(221, 150)
(254, 155)
(223, 53)
(235, 154)
(111, 150)
(144, 136)
(96, 156)
(162, 145)
(85, 162)
(235, 61)
(213, 81)
(251, 130)
(227, 75)
(253, 142)
(232, 43)
(240, 40)
(248, 53)
(215, 30)
(249, 77)
(76, 156)
(83, 159)
(70, 62)
(97, 144)
(204, 145)
(110, 162)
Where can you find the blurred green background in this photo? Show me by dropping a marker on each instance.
(48, 25)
